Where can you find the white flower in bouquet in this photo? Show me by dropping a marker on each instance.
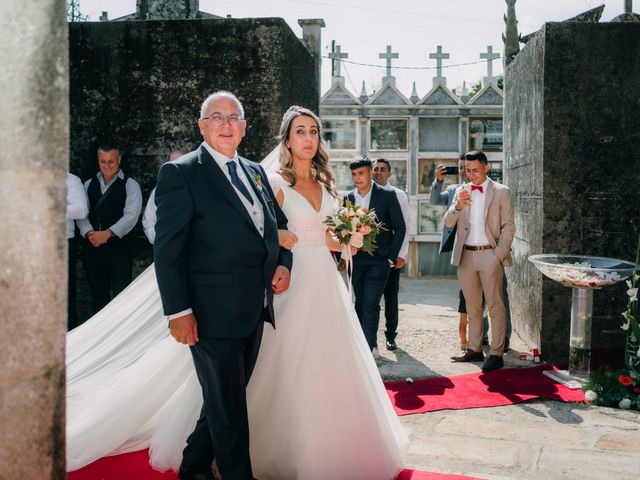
(625, 404)
(625, 326)
(590, 396)
(638, 353)
(357, 240)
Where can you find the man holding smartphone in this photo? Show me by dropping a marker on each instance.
(438, 197)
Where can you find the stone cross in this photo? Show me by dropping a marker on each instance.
(388, 56)
(336, 60)
(439, 56)
(490, 56)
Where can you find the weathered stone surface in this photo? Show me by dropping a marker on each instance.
(33, 164)
(141, 83)
(573, 163)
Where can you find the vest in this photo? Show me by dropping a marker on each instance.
(106, 209)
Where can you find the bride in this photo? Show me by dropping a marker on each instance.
(316, 404)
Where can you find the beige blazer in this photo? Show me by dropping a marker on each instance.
(499, 224)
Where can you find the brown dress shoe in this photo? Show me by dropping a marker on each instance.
(469, 356)
(494, 362)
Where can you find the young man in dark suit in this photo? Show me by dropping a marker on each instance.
(370, 272)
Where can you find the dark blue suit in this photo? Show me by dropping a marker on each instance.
(370, 272)
(210, 257)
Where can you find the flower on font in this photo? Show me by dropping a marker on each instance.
(625, 380)
(632, 292)
(590, 396)
(625, 403)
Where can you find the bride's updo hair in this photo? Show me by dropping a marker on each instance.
(319, 163)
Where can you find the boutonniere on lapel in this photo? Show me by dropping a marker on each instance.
(257, 179)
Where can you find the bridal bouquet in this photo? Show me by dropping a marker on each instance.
(355, 227)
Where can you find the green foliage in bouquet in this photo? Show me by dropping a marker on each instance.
(355, 226)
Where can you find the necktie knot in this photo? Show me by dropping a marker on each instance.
(477, 187)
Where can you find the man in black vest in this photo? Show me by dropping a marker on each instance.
(115, 202)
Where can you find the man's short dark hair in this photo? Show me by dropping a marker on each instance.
(385, 161)
(362, 162)
(462, 157)
(107, 147)
(476, 155)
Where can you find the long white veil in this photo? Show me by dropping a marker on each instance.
(271, 163)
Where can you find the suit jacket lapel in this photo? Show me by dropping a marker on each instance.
(250, 173)
(221, 183)
(374, 196)
(491, 188)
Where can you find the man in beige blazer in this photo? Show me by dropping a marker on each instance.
(483, 214)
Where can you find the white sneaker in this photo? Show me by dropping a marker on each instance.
(376, 353)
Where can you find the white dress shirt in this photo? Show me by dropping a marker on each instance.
(403, 200)
(477, 234)
(256, 212)
(363, 201)
(77, 202)
(130, 213)
(149, 218)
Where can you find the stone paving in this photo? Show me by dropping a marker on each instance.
(533, 440)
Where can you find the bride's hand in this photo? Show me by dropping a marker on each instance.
(287, 239)
(354, 250)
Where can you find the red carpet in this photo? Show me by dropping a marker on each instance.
(475, 390)
(501, 387)
(135, 466)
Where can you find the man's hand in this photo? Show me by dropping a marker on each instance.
(100, 237)
(185, 329)
(464, 200)
(441, 171)
(287, 239)
(400, 262)
(281, 280)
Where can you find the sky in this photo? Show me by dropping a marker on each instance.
(413, 28)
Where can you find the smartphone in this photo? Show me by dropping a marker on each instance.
(451, 170)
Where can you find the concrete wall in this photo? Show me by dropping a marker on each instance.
(572, 159)
(33, 164)
(141, 83)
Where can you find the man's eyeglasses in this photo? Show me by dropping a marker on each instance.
(217, 119)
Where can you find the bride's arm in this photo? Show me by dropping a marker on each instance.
(286, 238)
(331, 241)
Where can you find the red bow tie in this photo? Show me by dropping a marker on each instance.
(477, 187)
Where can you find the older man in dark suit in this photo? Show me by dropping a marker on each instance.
(218, 265)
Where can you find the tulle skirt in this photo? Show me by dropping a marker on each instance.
(317, 406)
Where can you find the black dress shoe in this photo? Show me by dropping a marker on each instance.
(494, 362)
(469, 356)
(391, 345)
(184, 474)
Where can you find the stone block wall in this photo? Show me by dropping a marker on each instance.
(572, 159)
(140, 84)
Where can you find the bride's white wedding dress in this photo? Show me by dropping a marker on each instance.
(317, 406)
